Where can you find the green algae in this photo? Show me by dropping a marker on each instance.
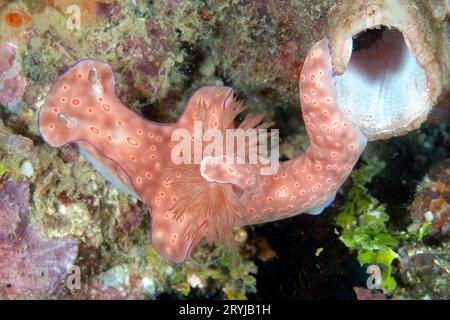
(3, 169)
(424, 230)
(364, 222)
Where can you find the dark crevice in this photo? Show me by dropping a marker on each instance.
(367, 38)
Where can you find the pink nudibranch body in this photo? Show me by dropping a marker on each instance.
(309, 182)
(189, 201)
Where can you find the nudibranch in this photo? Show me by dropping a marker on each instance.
(309, 182)
(189, 201)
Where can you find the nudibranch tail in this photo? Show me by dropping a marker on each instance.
(308, 183)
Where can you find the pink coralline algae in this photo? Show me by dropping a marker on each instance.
(12, 82)
(189, 201)
(31, 267)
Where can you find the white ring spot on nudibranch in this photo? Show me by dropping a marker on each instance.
(335, 155)
(173, 240)
(132, 141)
(76, 102)
(94, 130)
(106, 107)
(282, 193)
(325, 128)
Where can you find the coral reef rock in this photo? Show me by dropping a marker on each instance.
(425, 272)
(432, 202)
(12, 81)
(31, 266)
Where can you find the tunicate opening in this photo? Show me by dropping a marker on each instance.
(383, 89)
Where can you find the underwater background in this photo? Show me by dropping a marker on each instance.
(67, 233)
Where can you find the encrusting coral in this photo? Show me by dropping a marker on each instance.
(190, 200)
